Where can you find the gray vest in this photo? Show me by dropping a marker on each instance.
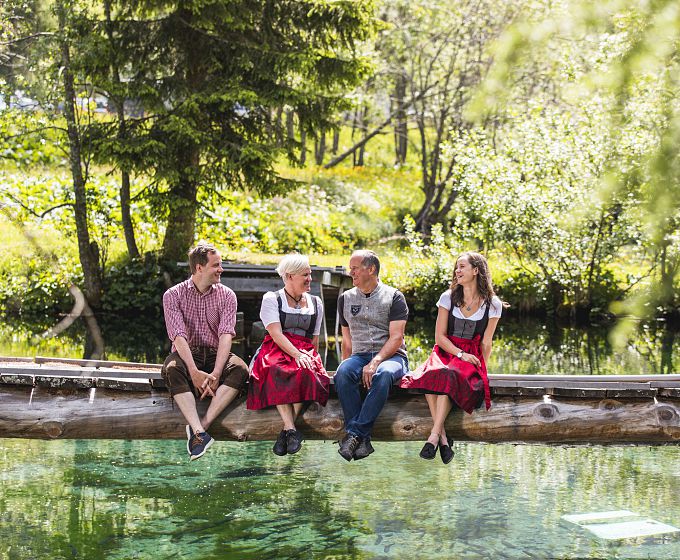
(368, 319)
(298, 323)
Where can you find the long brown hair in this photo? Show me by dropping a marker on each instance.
(484, 284)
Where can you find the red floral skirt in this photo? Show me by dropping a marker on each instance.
(277, 379)
(444, 374)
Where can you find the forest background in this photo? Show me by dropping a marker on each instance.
(542, 133)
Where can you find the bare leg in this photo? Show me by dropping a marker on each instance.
(223, 396)
(432, 403)
(297, 407)
(187, 406)
(287, 415)
(444, 406)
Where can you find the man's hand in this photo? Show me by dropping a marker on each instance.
(368, 372)
(202, 381)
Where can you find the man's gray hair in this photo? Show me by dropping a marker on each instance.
(292, 264)
(199, 255)
(368, 259)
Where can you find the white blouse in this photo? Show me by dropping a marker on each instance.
(269, 311)
(495, 311)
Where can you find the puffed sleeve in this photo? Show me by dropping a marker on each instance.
(319, 317)
(269, 310)
(496, 307)
(445, 300)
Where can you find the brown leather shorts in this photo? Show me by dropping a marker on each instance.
(177, 378)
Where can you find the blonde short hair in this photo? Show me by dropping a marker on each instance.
(292, 264)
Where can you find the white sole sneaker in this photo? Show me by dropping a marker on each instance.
(207, 446)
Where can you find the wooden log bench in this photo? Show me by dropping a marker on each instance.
(60, 398)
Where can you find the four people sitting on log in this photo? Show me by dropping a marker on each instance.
(455, 371)
(200, 317)
(287, 370)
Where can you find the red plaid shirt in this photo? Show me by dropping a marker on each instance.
(199, 318)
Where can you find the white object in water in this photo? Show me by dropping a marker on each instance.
(619, 524)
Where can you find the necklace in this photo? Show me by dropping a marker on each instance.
(297, 301)
(470, 305)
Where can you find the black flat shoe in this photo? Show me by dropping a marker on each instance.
(446, 453)
(280, 445)
(293, 441)
(429, 451)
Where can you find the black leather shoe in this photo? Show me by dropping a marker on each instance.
(428, 451)
(348, 446)
(280, 447)
(294, 441)
(446, 453)
(364, 450)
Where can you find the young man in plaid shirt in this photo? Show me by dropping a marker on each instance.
(200, 317)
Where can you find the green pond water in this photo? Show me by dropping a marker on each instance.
(144, 499)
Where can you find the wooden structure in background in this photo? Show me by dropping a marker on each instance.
(250, 282)
(51, 398)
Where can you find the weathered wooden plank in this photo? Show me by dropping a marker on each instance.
(10, 359)
(124, 384)
(93, 363)
(102, 413)
(16, 379)
(633, 378)
(77, 372)
(60, 382)
(576, 392)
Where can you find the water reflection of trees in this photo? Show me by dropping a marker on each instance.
(143, 499)
(529, 346)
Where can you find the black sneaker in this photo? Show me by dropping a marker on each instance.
(280, 448)
(364, 450)
(199, 444)
(294, 441)
(348, 446)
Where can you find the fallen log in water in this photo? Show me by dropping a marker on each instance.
(55, 400)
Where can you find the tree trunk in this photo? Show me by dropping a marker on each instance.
(87, 250)
(320, 148)
(278, 126)
(179, 234)
(290, 125)
(119, 102)
(400, 122)
(362, 149)
(128, 226)
(303, 145)
(336, 141)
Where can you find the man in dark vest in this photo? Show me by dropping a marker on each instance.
(373, 318)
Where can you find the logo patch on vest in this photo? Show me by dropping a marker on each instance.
(355, 309)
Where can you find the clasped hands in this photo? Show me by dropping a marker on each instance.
(206, 382)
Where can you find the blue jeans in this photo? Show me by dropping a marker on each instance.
(359, 418)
